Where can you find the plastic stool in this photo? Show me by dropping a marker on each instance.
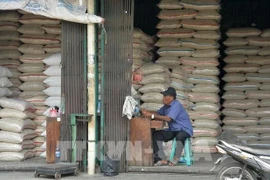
(188, 157)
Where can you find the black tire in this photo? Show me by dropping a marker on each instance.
(76, 172)
(251, 175)
(57, 175)
(36, 174)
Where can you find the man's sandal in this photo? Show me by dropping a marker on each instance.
(173, 162)
(160, 163)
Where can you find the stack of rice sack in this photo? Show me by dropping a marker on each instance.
(142, 53)
(9, 43)
(17, 134)
(246, 105)
(188, 37)
(5, 82)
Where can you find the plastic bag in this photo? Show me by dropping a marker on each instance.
(110, 166)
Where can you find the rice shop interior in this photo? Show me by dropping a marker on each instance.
(214, 53)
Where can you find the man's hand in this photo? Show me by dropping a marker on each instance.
(146, 113)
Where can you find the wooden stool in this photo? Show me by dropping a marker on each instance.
(188, 157)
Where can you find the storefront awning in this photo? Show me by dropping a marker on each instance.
(56, 9)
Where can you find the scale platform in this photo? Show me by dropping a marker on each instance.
(57, 170)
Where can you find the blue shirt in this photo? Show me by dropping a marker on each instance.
(178, 114)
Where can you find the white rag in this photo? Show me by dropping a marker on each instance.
(129, 107)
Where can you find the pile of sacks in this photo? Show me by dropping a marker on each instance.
(9, 44)
(247, 89)
(5, 82)
(18, 131)
(188, 38)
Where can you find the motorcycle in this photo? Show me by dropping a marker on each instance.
(242, 162)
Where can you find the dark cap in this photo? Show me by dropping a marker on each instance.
(169, 92)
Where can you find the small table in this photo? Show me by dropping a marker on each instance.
(141, 153)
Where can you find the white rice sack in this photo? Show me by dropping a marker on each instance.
(12, 113)
(16, 125)
(176, 52)
(53, 81)
(43, 155)
(265, 51)
(15, 73)
(5, 72)
(155, 78)
(40, 129)
(199, 43)
(241, 104)
(181, 95)
(53, 91)
(258, 41)
(39, 120)
(39, 151)
(258, 129)
(31, 68)
(209, 71)
(178, 84)
(36, 19)
(265, 86)
(171, 4)
(205, 132)
(5, 45)
(169, 24)
(243, 32)
(199, 62)
(260, 94)
(206, 141)
(39, 141)
(9, 36)
(265, 137)
(151, 68)
(200, 88)
(230, 112)
(167, 42)
(16, 104)
(260, 60)
(12, 16)
(241, 68)
(8, 26)
(175, 33)
(32, 86)
(140, 54)
(52, 48)
(200, 24)
(265, 33)
(264, 103)
(235, 59)
(235, 42)
(200, 4)
(29, 94)
(139, 44)
(39, 39)
(234, 129)
(31, 49)
(202, 106)
(37, 100)
(203, 97)
(188, 69)
(264, 69)
(244, 86)
(33, 77)
(5, 82)
(9, 54)
(53, 71)
(259, 144)
(264, 121)
(170, 61)
(11, 92)
(40, 110)
(256, 77)
(12, 137)
(208, 53)
(243, 50)
(206, 124)
(151, 106)
(248, 136)
(258, 112)
(52, 29)
(201, 79)
(214, 35)
(53, 60)
(234, 77)
(152, 97)
(208, 14)
(153, 88)
(5, 92)
(53, 101)
(16, 82)
(11, 147)
(17, 156)
(31, 29)
(12, 65)
(210, 115)
(234, 95)
(177, 14)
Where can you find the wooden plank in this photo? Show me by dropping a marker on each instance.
(52, 138)
(140, 131)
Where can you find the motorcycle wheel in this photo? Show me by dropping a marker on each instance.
(233, 171)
